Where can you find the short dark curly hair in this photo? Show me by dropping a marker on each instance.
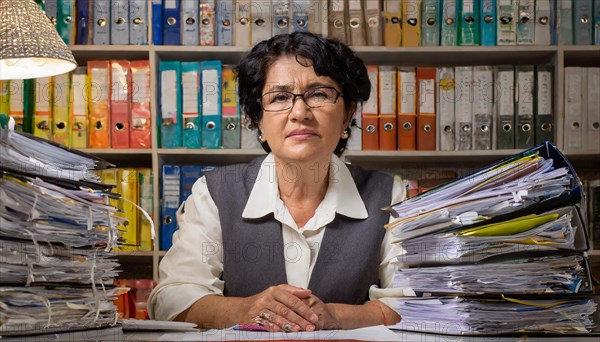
(329, 57)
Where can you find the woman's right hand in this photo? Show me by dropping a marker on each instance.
(280, 308)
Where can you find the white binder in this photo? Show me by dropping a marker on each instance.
(101, 23)
(575, 78)
(483, 105)
(262, 22)
(592, 124)
(119, 26)
(463, 109)
(241, 30)
(190, 22)
(281, 16)
(374, 22)
(445, 112)
(542, 27)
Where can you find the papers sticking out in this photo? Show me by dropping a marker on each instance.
(23, 152)
(473, 316)
(543, 275)
(503, 188)
(507, 237)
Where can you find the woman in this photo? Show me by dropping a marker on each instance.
(293, 241)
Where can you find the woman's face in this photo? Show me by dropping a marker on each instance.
(301, 134)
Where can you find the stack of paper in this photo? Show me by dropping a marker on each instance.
(459, 315)
(506, 242)
(57, 232)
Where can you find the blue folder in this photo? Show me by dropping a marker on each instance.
(171, 23)
(157, 19)
(83, 22)
(170, 200)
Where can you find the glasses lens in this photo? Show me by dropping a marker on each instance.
(277, 100)
(319, 97)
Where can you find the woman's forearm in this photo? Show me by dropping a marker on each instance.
(358, 316)
(214, 312)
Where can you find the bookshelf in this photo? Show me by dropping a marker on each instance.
(586, 163)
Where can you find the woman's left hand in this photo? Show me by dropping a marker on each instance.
(326, 313)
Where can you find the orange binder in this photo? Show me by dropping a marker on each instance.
(411, 22)
(370, 112)
(387, 107)
(119, 103)
(99, 121)
(140, 129)
(426, 121)
(392, 20)
(407, 99)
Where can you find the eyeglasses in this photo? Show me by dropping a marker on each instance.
(281, 100)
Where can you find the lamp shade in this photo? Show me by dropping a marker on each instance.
(30, 47)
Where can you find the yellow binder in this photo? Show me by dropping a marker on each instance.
(42, 116)
(60, 109)
(127, 186)
(146, 201)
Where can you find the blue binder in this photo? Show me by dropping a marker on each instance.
(225, 18)
(189, 176)
(300, 10)
(582, 22)
(83, 22)
(170, 104)
(138, 22)
(171, 22)
(488, 22)
(449, 23)
(119, 26)
(170, 200)
(430, 23)
(211, 103)
(157, 20)
(191, 103)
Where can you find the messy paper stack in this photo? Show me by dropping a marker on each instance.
(499, 251)
(56, 234)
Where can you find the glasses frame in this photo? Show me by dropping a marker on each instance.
(338, 94)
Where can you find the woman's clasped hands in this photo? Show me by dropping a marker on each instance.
(287, 308)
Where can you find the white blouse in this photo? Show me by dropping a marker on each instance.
(193, 265)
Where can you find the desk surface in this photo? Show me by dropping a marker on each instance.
(116, 334)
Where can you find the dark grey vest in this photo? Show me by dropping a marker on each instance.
(349, 255)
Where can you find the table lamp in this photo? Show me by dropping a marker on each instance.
(30, 47)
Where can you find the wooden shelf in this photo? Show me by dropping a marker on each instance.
(581, 55)
(456, 55)
(227, 54)
(123, 157)
(213, 157)
(85, 53)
